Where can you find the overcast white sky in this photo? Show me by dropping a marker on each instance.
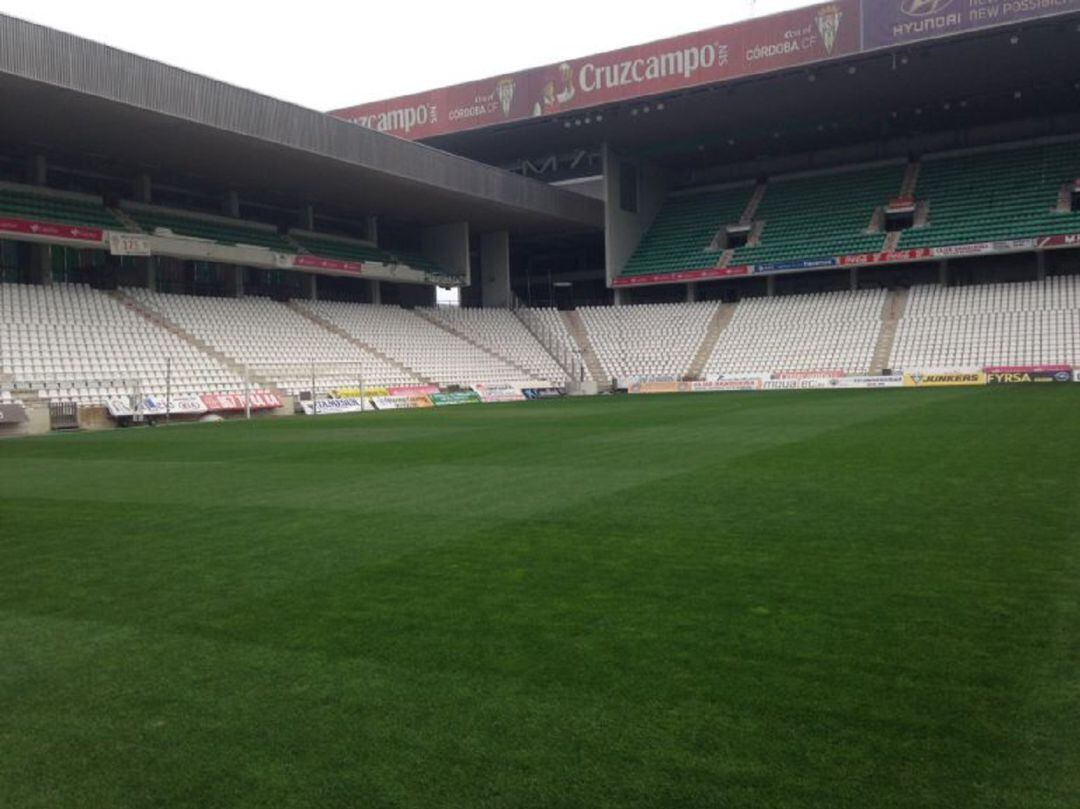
(326, 54)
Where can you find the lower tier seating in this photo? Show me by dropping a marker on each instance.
(834, 331)
(1035, 323)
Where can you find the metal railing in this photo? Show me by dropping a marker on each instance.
(569, 359)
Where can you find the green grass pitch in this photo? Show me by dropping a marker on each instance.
(825, 599)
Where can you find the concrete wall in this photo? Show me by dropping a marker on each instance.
(495, 269)
(623, 230)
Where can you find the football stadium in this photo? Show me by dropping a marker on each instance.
(689, 425)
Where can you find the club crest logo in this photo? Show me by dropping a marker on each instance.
(828, 25)
(505, 92)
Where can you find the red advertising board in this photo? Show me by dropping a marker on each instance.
(50, 230)
(235, 402)
(684, 275)
(822, 31)
(331, 264)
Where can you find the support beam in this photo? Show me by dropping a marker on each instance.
(238, 282)
(448, 246)
(622, 297)
(307, 217)
(691, 292)
(629, 212)
(1040, 266)
(144, 189)
(231, 204)
(495, 269)
(770, 286)
(41, 256)
(376, 292)
(313, 287)
(37, 170)
(854, 279)
(943, 273)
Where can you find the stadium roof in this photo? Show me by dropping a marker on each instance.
(68, 95)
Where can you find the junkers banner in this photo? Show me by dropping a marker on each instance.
(892, 22)
(956, 380)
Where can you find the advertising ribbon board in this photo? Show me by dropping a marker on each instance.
(869, 382)
(235, 402)
(544, 393)
(452, 399)
(917, 380)
(329, 407)
(1028, 377)
(499, 393)
(893, 22)
(402, 402)
(726, 385)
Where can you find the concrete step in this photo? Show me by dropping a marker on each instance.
(576, 326)
(752, 206)
(911, 179)
(891, 314)
(721, 319)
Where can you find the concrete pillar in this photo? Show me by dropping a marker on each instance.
(41, 257)
(448, 246)
(495, 269)
(307, 217)
(1040, 266)
(376, 292)
(854, 279)
(770, 286)
(144, 189)
(622, 297)
(313, 287)
(623, 229)
(151, 273)
(231, 204)
(691, 292)
(943, 273)
(238, 282)
(371, 228)
(37, 170)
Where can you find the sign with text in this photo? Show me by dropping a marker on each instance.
(893, 22)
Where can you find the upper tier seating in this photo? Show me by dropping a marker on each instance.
(680, 237)
(834, 331)
(500, 331)
(261, 332)
(427, 349)
(343, 251)
(1035, 323)
(73, 343)
(1007, 194)
(26, 204)
(223, 231)
(648, 340)
(822, 216)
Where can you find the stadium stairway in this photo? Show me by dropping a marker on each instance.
(577, 330)
(161, 321)
(891, 313)
(721, 319)
(333, 328)
(433, 319)
(752, 206)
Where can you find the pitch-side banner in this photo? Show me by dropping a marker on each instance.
(893, 22)
(822, 31)
(12, 414)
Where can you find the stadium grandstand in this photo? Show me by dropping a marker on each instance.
(855, 194)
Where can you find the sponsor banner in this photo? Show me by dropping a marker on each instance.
(1076, 376)
(1028, 377)
(413, 390)
(893, 22)
(894, 257)
(983, 248)
(650, 388)
(864, 382)
(1053, 242)
(454, 399)
(681, 276)
(235, 402)
(806, 35)
(946, 380)
(125, 244)
(329, 264)
(737, 377)
(12, 414)
(829, 374)
(48, 230)
(801, 383)
(329, 407)
(355, 393)
(186, 405)
(543, 393)
(1028, 369)
(731, 385)
(804, 264)
(499, 393)
(402, 402)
